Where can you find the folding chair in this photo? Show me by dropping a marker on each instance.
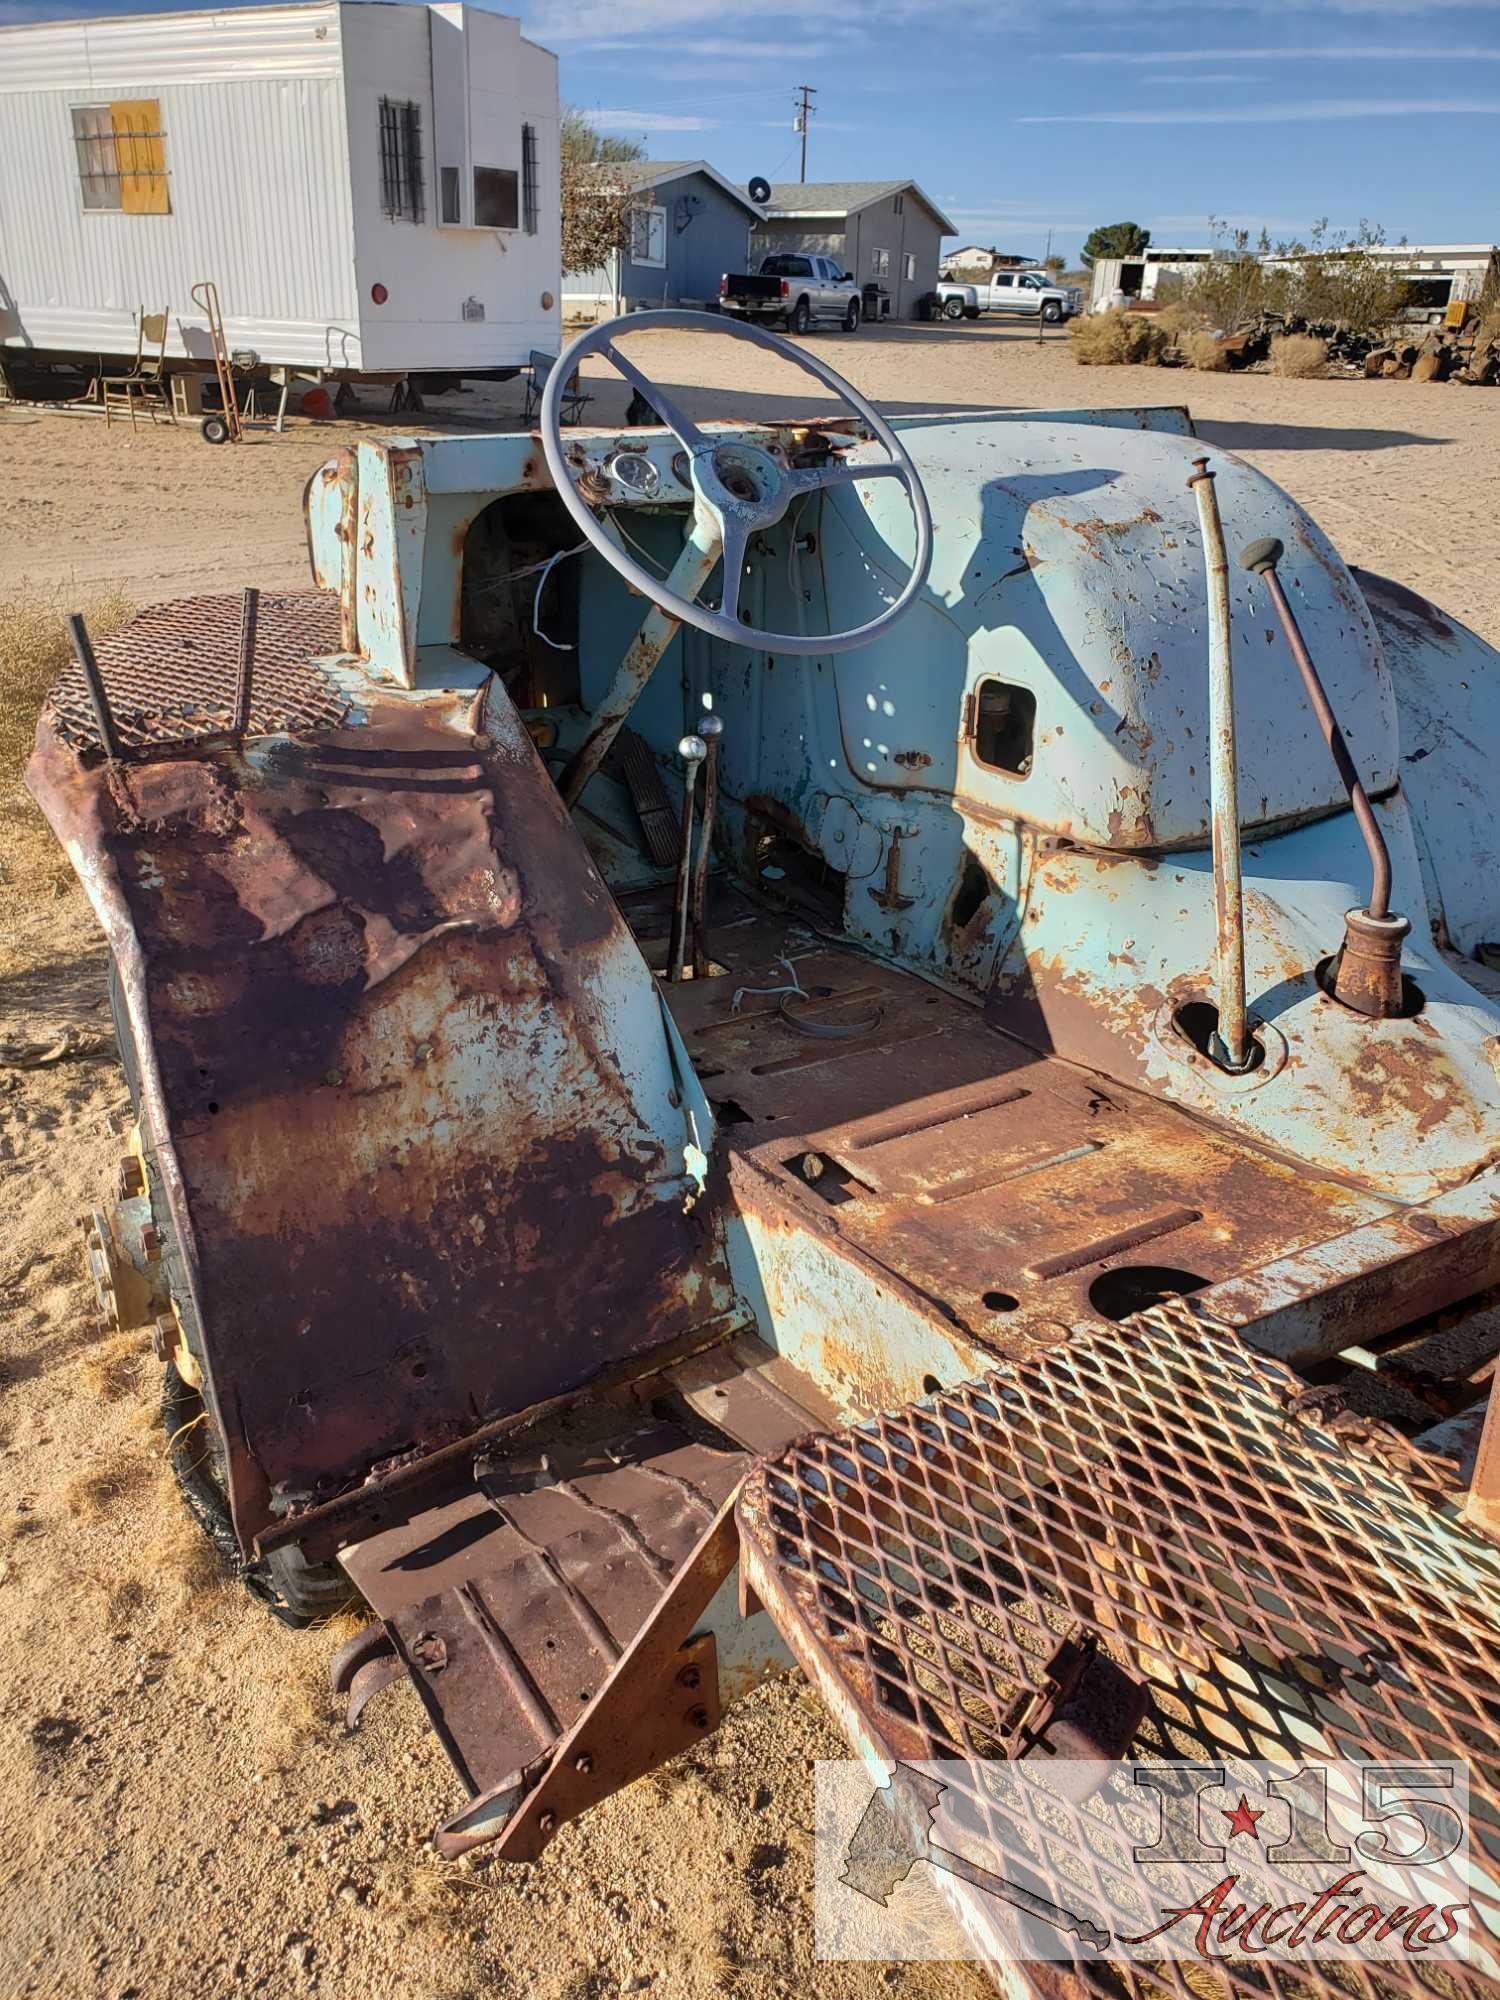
(146, 380)
(574, 401)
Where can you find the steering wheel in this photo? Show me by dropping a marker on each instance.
(739, 489)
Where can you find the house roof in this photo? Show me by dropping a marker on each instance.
(658, 173)
(817, 200)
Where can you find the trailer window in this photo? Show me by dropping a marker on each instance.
(497, 198)
(122, 156)
(401, 159)
(530, 197)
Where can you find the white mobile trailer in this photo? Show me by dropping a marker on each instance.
(373, 186)
(1435, 274)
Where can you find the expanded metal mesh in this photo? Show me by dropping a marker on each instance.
(1283, 1590)
(173, 670)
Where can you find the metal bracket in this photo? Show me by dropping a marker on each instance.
(662, 1696)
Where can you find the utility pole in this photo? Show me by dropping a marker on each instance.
(805, 111)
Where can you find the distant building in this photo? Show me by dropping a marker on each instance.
(882, 232)
(688, 226)
(1435, 274)
(972, 259)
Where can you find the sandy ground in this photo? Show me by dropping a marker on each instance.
(179, 1810)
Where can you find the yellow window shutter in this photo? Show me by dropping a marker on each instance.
(141, 153)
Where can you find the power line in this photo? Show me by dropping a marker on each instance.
(806, 110)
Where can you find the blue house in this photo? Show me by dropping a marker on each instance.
(688, 225)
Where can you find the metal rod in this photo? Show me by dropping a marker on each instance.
(692, 750)
(83, 652)
(249, 613)
(1261, 559)
(1231, 1044)
(711, 728)
(659, 628)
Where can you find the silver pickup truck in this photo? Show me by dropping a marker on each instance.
(794, 291)
(1027, 293)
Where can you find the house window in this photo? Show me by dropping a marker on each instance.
(910, 267)
(648, 237)
(530, 198)
(497, 198)
(448, 183)
(122, 156)
(880, 263)
(401, 159)
(1004, 727)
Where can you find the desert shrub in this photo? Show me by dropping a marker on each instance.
(1205, 352)
(33, 652)
(1331, 276)
(1297, 354)
(1104, 339)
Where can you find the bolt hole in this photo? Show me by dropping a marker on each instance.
(1001, 1302)
(931, 1386)
(418, 1370)
(213, 1108)
(1131, 1288)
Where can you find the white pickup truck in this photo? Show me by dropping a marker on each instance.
(1031, 294)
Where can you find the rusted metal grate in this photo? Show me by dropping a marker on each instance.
(172, 671)
(1283, 1590)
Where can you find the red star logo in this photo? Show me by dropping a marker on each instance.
(1242, 1820)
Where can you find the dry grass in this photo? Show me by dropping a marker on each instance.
(112, 1368)
(33, 652)
(97, 1489)
(1205, 352)
(1107, 339)
(1298, 354)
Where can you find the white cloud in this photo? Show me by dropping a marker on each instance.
(1310, 110)
(1354, 52)
(650, 121)
(1177, 80)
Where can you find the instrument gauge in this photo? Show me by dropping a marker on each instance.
(634, 471)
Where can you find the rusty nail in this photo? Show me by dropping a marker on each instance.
(151, 1244)
(690, 1677)
(132, 1181)
(583, 1763)
(430, 1652)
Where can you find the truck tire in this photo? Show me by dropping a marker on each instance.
(971, 312)
(799, 319)
(851, 317)
(1051, 312)
(954, 308)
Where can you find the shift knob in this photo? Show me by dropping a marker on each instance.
(1262, 555)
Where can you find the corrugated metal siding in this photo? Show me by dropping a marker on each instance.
(113, 56)
(259, 184)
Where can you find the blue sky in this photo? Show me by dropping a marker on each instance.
(1020, 116)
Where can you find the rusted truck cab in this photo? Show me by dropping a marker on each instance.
(505, 1241)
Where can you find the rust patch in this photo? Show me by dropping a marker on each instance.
(1397, 599)
(410, 1181)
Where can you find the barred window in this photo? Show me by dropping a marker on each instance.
(530, 198)
(401, 159)
(122, 157)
